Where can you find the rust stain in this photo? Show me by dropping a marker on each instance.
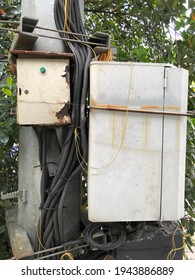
(66, 74)
(92, 102)
(176, 108)
(150, 107)
(63, 115)
(42, 53)
(116, 107)
(111, 107)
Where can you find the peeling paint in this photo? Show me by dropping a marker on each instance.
(63, 115)
(66, 74)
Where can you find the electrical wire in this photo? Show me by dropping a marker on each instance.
(106, 56)
(78, 41)
(172, 253)
(67, 254)
(114, 231)
(97, 170)
(53, 230)
(60, 253)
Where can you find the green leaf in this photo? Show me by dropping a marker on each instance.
(9, 82)
(3, 138)
(7, 91)
(191, 3)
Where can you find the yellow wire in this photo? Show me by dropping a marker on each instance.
(67, 254)
(95, 56)
(67, 7)
(106, 56)
(38, 235)
(103, 168)
(78, 152)
(66, 10)
(174, 250)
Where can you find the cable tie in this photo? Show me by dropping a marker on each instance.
(47, 209)
(53, 194)
(41, 165)
(65, 179)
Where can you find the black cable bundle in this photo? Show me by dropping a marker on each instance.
(114, 231)
(51, 225)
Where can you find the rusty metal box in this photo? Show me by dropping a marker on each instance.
(137, 142)
(43, 96)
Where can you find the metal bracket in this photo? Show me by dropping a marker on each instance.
(24, 39)
(104, 39)
(21, 194)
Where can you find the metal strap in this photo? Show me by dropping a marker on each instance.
(127, 109)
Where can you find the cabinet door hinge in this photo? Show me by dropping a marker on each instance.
(165, 82)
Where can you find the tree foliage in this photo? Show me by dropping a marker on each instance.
(8, 126)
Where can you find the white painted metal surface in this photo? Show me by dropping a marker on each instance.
(174, 146)
(136, 164)
(41, 96)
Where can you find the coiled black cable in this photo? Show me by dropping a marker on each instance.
(114, 231)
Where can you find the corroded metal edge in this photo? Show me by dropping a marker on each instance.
(41, 53)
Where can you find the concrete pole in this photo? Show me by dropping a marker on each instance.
(43, 10)
(30, 177)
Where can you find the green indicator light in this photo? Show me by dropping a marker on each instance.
(42, 69)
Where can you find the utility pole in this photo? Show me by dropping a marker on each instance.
(29, 158)
(29, 175)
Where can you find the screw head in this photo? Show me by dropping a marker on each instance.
(43, 70)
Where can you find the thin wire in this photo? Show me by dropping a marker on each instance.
(106, 56)
(10, 22)
(67, 254)
(70, 40)
(39, 233)
(53, 30)
(85, 44)
(66, 9)
(56, 38)
(103, 168)
(174, 249)
(95, 56)
(78, 151)
(50, 249)
(64, 251)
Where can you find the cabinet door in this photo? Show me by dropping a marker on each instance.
(43, 92)
(125, 148)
